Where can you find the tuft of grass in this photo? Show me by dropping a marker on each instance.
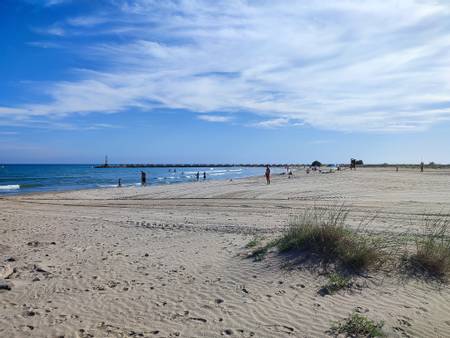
(254, 242)
(432, 249)
(335, 283)
(260, 253)
(357, 325)
(323, 232)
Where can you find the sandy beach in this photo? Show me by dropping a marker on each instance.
(170, 261)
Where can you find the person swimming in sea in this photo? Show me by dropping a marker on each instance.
(267, 174)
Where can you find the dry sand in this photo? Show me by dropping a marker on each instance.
(167, 261)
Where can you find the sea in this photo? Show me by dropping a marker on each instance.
(27, 178)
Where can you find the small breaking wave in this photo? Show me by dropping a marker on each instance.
(10, 187)
(107, 185)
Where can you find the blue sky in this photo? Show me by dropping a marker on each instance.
(224, 81)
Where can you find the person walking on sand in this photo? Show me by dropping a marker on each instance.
(267, 174)
(143, 178)
(204, 176)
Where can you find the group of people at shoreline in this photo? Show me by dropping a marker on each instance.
(267, 175)
(144, 178)
(197, 176)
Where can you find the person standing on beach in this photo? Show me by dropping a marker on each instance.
(143, 178)
(204, 176)
(197, 175)
(267, 174)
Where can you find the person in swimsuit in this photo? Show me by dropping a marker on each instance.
(267, 174)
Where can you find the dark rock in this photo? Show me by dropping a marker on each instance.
(9, 259)
(4, 285)
(324, 291)
(29, 313)
(37, 268)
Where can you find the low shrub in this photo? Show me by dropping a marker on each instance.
(335, 283)
(357, 325)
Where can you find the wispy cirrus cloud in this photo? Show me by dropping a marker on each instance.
(52, 30)
(347, 65)
(214, 118)
(87, 21)
(55, 2)
(44, 44)
(273, 123)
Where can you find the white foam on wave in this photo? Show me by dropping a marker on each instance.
(107, 185)
(10, 187)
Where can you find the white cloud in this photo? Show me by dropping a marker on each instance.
(86, 21)
(343, 65)
(54, 2)
(273, 123)
(43, 44)
(52, 30)
(214, 118)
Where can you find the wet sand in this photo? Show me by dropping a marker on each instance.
(168, 261)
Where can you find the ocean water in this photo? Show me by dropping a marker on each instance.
(26, 178)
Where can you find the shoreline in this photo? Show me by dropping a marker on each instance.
(17, 192)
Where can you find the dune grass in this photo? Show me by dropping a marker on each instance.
(322, 236)
(431, 258)
(357, 325)
(323, 232)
